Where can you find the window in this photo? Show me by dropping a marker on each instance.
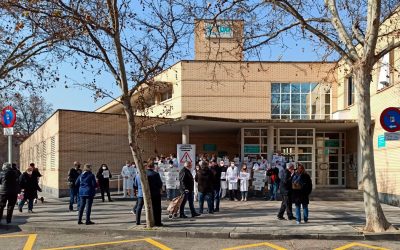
(53, 152)
(350, 91)
(385, 71)
(300, 101)
(44, 155)
(166, 95)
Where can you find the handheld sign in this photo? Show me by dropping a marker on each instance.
(390, 119)
(8, 117)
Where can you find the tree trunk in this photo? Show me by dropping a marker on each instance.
(137, 157)
(375, 218)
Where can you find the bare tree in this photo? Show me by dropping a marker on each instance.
(131, 40)
(23, 64)
(32, 111)
(352, 31)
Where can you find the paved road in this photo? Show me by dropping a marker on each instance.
(26, 241)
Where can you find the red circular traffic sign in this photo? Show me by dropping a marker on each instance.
(390, 119)
(8, 117)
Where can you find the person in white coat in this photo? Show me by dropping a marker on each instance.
(128, 175)
(244, 182)
(232, 177)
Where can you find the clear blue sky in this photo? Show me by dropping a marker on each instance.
(77, 98)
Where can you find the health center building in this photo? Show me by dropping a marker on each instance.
(227, 106)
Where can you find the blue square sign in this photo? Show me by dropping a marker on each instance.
(381, 141)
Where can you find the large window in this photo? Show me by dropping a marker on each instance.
(300, 101)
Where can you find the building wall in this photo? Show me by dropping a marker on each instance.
(241, 90)
(218, 48)
(42, 148)
(387, 164)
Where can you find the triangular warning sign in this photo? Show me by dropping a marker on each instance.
(186, 157)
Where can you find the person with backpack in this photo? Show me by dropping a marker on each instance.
(302, 187)
(273, 174)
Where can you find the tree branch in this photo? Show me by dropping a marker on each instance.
(338, 25)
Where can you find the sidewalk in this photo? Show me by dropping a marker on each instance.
(247, 220)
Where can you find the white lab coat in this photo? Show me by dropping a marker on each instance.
(244, 183)
(232, 178)
(130, 172)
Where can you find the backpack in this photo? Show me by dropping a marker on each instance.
(297, 183)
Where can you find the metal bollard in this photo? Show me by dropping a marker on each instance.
(119, 190)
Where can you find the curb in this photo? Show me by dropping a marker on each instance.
(216, 235)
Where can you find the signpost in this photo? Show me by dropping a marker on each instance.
(390, 119)
(8, 118)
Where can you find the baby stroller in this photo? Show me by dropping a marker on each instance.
(174, 206)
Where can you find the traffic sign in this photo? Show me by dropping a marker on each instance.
(186, 152)
(8, 117)
(8, 131)
(390, 119)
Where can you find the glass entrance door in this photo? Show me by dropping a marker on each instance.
(330, 159)
(298, 145)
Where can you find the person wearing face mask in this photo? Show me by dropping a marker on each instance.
(29, 186)
(232, 177)
(103, 176)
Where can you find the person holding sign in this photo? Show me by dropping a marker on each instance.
(224, 184)
(232, 178)
(244, 182)
(103, 176)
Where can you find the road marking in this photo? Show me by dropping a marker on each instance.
(356, 244)
(148, 240)
(29, 242)
(157, 244)
(267, 244)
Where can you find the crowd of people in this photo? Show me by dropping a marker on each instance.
(16, 186)
(209, 181)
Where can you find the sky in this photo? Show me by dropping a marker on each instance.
(78, 98)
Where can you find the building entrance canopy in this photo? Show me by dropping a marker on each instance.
(200, 124)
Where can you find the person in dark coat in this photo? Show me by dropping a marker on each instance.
(73, 175)
(87, 189)
(155, 185)
(29, 186)
(302, 187)
(8, 190)
(216, 183)
(186, 188)
(286, 193)
(103, 176)
(205, 180)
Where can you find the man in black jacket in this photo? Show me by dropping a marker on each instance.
(204, 178)
(155, 185)
(216, 171)
(73, 175)
(186, 188)
(8, 190)
(286, 192)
